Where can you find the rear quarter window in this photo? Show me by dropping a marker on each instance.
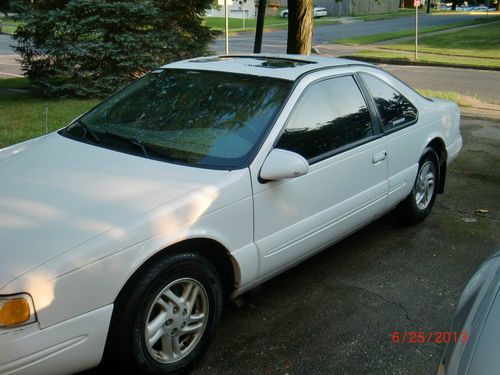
(394, 109)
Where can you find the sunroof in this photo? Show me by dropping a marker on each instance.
(260, 61)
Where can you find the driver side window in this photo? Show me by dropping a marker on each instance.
(330, 115)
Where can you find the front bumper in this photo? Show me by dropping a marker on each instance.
(64, 348)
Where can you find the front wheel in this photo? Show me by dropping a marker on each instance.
(418, 204)
(163, 323)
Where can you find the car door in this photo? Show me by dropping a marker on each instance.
(346, 186)
(398, 118)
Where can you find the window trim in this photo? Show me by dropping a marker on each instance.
(374, 105)
(374, 120)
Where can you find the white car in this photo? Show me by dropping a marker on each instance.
(317, 12)
(123, 232)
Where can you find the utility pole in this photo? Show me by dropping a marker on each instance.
(260, 26)
(416, 3)
(226, 31)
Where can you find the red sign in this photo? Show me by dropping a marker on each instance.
(416, 3)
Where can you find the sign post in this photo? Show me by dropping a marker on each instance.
(226, 3)
(416, 3)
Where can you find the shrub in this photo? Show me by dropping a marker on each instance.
(93, 47)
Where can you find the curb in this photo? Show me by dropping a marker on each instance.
(481, 114)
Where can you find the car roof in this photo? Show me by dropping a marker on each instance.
(289, 67)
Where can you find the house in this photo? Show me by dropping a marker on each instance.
(342, 8)
(239, 9)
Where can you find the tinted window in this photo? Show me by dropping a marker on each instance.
(329, 115)
(209, 119)
(394, 109)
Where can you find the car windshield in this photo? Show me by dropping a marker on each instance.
(200, 118)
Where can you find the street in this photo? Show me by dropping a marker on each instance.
(477, 83)
(5, 44)
(481, 84)
(275, 41)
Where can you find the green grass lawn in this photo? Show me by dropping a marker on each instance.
(408, 57)
(384, 16)
(448, 95)
(375, 38)
(485, 41)
(271, 22)
(475, 47)
(14, 83)
(23, 115)
(9, 25)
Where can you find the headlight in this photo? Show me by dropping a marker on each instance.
(16, 310)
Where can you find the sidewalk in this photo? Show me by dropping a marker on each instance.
(9, 66)
(478, 109)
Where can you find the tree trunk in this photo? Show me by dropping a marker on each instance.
(300, 27)
(454, 5)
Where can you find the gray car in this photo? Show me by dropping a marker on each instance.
(476, 323)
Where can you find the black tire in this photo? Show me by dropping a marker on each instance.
(146, 299)
(417, 205)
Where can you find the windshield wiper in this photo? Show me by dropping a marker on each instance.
(79, 123)
(130, 140)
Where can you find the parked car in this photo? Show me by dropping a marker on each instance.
(476, 324)
(317, 12)
(483, 8)
(123, 232)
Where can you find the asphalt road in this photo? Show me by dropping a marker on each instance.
(275, 41)
(9, 67)
(481, 84)
(5, 44)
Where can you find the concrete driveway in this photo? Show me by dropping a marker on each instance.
(336, 312)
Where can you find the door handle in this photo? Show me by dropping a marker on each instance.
(379, 156)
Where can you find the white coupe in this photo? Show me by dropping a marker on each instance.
(123, 233)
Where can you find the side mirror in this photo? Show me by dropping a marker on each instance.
(282, 164)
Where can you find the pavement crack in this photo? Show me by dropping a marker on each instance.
(398, 304)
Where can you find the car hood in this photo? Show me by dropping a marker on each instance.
(56, 193)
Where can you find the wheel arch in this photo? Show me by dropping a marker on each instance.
(212, 250)
(438, 145)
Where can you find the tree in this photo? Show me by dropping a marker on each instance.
(4, 6)
(456, 3)
(93, 47)
(300, 24)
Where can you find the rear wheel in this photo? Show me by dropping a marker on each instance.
(163, 323)
(418, 204)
